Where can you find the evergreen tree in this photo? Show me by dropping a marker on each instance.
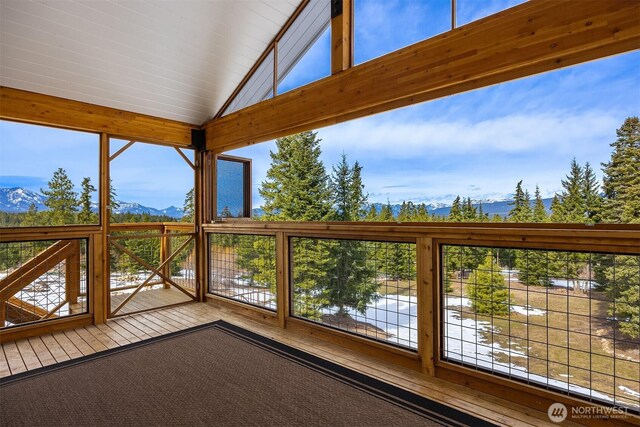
(86, 216)
(422, 214)
(347, 192)
(469, 212)
(188, 208)
(113, 202)
(572, 197)
(539, 213)
(534, 267)
(62, 201)
(372, 214)
(386, 213)
(296, 187)
(486, 289)
(32, 218)
(621, 180)
(521, 211)
(455, 214)
(557, 213)
(591, 194)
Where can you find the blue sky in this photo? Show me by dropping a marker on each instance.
(477, 144)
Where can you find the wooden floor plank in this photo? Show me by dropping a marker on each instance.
(80, 343)
(57, 351)
(116, 333)
(141, 326)
(127, 327)
(95, 343)
(14, 360)
(42, 352)
(29, 357)
(4, 365)
(105, 339)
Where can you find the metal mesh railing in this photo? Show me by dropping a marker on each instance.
(364, 287)
(42, 280)
(243, 267)
(565, 321)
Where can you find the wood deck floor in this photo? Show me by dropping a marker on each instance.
(148, 299)
(23, 355)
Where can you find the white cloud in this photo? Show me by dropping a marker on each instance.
(507, 134)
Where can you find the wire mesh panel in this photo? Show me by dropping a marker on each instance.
(243, 267)
(364, 287)
(565, 321)
(42, 280)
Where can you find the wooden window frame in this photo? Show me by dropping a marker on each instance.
(246, 187)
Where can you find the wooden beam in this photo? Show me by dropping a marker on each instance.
(534, 37)
(36, 108)
(341, 35)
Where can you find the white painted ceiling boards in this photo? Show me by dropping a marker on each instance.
(174, 59)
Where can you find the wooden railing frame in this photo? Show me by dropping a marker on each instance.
(429, 238)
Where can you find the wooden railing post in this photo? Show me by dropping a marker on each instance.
(72, 273)
(427, 285)
(165, 253)
(282, 278)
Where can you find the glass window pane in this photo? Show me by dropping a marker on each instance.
(231, 194)
(42, 171)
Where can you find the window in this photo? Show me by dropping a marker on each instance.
(48, 176)
(233, 187)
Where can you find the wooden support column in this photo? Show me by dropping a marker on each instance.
(99, 250)
(72, 273)
(341, 35)
(200, 214)
(426, 290)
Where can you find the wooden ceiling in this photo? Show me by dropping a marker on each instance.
(172, 59)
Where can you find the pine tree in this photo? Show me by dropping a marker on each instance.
(521, 211)
(386, 213)
(86, 216)
(113, 201)
(591, 194)
(32, 218)
(534, 267)
(350, 278)
(539, 213)
(188, 208)
(455, 214)
(296, 187)
(469, 212)
(62, 201)
(621, 180)
(422, 214)
(557, 213)
(347, 192)
(486, 289)
(372, 214)
(572, 197)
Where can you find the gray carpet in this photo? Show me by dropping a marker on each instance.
(216, 375)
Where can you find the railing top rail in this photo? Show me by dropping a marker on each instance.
(615, 235)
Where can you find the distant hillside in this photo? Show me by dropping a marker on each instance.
(16, 200)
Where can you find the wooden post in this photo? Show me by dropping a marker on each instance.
(341, 35)
(3, 312)
(426, 290)
(99, 251)
(282, 279)
(200, 208)
(165, 252)
(72, 273)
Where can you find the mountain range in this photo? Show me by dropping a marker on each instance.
(14, 200)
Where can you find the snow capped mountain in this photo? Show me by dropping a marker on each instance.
(15, 200)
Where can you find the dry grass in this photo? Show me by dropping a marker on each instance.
(573, 341)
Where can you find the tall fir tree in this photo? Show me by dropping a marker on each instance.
(386, 213)
(86, 216)
(539, 213)
(469, 212)
(188, 208)
(296, 187)
(591, 194)
(455, 214)
(621, 180)
(521, 211)
(572, 196)
(372, 213)
(62, 201)
(351, 279)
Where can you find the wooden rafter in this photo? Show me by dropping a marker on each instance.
(534, 37)
(341, 35)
